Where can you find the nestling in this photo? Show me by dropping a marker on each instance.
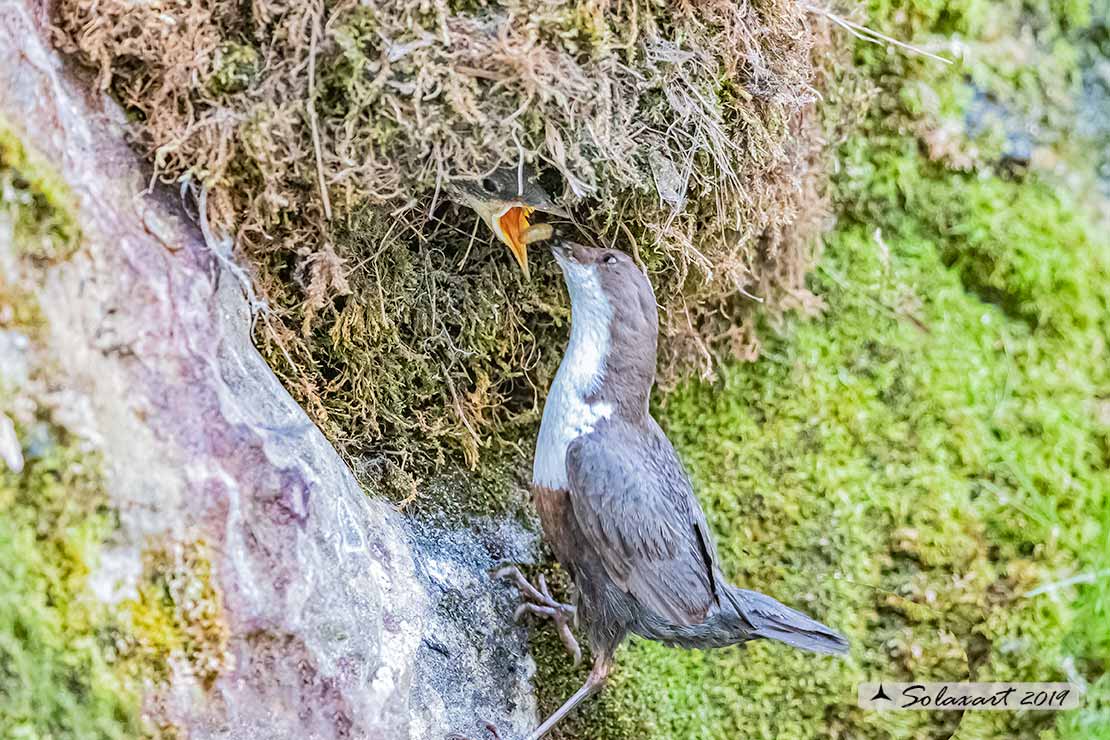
(505, 199)
(615, 502)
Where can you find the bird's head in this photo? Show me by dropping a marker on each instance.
(505, 199)
(605, 285)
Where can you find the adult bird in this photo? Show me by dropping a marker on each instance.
(505, 199)
(615, 502)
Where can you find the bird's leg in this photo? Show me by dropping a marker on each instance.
(540, 601)
(594, 683)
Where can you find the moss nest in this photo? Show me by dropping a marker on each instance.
(322, 134)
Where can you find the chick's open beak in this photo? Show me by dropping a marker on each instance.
(508, 219)
(509, 222)
(512, 227)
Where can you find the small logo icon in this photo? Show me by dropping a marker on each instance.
(880, 694)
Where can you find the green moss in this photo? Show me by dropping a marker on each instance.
(1012, 245)
(1015, 76)
(37, 203)
(235, 68)
(57, 646)
(178, 615)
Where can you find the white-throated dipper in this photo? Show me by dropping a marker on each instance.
(505, 199)
(615, 502)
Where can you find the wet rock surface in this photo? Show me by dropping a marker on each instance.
(472, 665)
(344, 619)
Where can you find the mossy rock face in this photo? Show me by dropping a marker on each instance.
(235, 528)
(59, 652)
(74, 662)
(74, 666)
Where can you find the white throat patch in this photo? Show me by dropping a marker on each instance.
(566, 413)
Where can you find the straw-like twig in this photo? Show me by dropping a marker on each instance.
(861, 31)
(312, 121)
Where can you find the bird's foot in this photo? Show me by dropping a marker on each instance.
(540, 601)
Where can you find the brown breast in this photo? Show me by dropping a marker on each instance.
(556, 518)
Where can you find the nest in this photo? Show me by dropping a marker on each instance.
(321, 135)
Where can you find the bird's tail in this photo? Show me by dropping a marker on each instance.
(774, 621)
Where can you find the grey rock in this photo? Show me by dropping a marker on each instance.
(468, 635)
(1020, 135)
(345, 619)
(1093, 120)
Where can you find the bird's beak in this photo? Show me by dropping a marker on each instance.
(511, 226)
(509, 222)
(559, 250)
(548, 206)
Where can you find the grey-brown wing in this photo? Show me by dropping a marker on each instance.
(634, 504)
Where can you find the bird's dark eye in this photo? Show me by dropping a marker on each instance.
(610, 260)
(489, 185)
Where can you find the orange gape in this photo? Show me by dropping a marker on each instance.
(514, 223)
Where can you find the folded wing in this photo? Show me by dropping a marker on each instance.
(633, 501)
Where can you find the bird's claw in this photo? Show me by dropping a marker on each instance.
(541, 602)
